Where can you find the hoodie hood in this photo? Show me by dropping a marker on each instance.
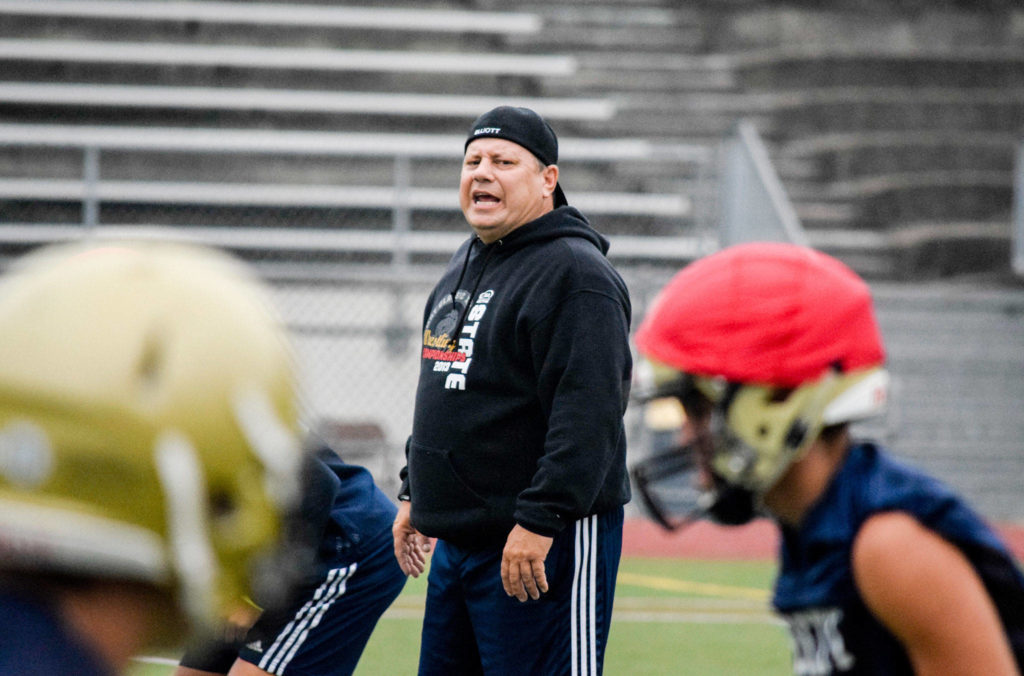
(565, 221)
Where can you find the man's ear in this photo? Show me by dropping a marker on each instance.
(550, 174)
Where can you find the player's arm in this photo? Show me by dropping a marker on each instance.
(929, 596)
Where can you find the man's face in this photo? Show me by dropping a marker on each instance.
(503, 186)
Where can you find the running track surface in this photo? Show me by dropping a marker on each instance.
(757, 540)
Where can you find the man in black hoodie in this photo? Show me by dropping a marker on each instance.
(517, 459)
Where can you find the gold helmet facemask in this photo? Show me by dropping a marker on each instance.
(751, 436)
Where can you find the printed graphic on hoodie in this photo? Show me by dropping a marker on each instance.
(450, 333)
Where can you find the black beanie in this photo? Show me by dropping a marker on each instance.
(523, 127)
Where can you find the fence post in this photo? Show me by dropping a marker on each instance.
(754, 203)
(396, 333)
(1017, 244)
(90, 187)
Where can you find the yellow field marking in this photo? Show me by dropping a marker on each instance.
(689, 586)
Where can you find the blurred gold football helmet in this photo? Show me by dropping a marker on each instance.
(148, 421)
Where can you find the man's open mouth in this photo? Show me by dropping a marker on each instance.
(484, 198)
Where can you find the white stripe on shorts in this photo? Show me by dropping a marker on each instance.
(584, 599)
(288, 642)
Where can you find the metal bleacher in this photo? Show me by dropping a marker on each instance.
(286, 100)
(848, 118)
(238, 136)
(397, 148)
(956, 353)
(283, 14)
(324, 60)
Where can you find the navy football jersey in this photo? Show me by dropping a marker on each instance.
(833, 631)
(359, 507)
(34, 641)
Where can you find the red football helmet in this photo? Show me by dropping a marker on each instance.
(782, 341)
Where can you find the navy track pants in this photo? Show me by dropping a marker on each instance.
(472, 627)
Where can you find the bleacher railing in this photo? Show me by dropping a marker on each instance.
(754, 204)
(1018, 211)
(95, 190)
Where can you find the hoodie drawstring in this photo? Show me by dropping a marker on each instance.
(465, 265)
(476, 285)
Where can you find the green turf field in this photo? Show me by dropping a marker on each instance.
(671, 617)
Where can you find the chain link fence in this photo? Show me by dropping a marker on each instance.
(357, 341)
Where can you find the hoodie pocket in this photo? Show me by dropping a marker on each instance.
(435, 485)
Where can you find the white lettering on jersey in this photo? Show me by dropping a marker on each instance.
(818, 647)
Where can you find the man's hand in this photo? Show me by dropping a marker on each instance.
(411, 546)
(522, 564)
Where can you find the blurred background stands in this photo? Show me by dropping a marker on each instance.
(320, 141)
